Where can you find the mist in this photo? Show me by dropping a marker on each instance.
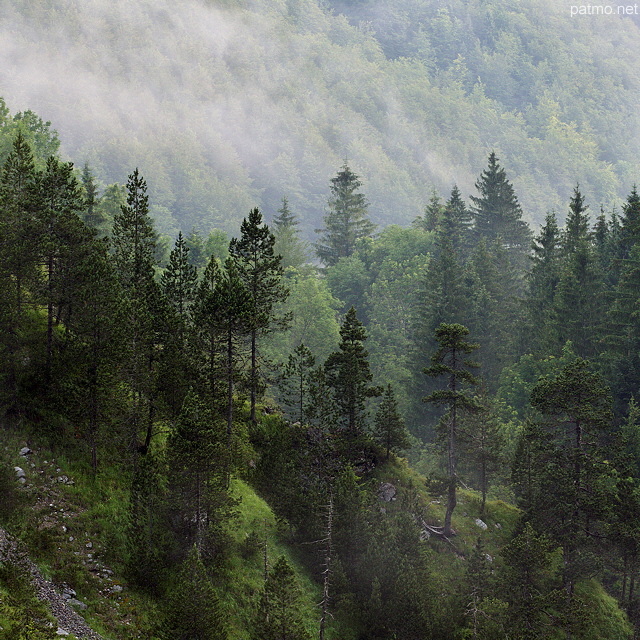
(223, 109)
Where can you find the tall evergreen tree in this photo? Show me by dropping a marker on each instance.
(497, 213)
(134, 243)
(191, 610)
(630, 231)
(389, 429)
(572, 497)
(92, 214)
(348, 374)
(296, 381)
(576, 228)
(450, 360)
(347, 220)
(260, 271)
(285, 219)
(279, 615)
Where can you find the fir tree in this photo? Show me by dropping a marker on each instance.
(296, 381)
(497, 213)
(191, 610)
(285, 219)
(576, 229)
(347, 220)
(260, 271)
(450, 360)
(92, 214)
(389, 429)
(279, 614)
(630, 224)
(349, 376)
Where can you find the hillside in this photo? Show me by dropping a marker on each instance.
(225, 105)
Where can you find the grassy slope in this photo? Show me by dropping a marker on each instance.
(94, 511)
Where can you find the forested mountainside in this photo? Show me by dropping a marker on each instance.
(206, 438)
(225, 105)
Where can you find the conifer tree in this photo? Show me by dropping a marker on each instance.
(285, 219)
(389, 428)
(134, 243)
(346, 221)
(196, 455)
(296, 381)
(497, 213)
(432, 213)
(348, 374)
(279, 615)
(450, 360)
(630, 224)
(542, 281)
(576, 229)
(455, 222)
(19, 256)
(179, 280)
(62, 236)
(260, 271)
(191, 610)
(92, 214)
(571, 500)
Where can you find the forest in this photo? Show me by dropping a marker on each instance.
(390, 393)
(331, 329)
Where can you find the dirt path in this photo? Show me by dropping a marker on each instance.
(68, 619)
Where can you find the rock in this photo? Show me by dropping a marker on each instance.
(62, 632)
(68, 593)
(481, 524)
(19, 472)
(25, 451)
(64, 528)
(498, 525)
(89, 545)
(387, 492)
(107, 572)
(488, 558)
(22, 480)
(116, 589)
(77, 604)
(70, 538)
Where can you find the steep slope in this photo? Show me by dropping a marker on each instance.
(225, 105)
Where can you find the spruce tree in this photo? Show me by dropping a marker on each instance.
(285, 219)
(191, 609)
(389, 429)
(92, 214)
(348, 374)
(450, 360)
(279, 615)
(542, 282)
(295, 383)
(576, 228)
(630, 231)
(572, 498)
(260, 271)
(497, 213)
(346, 221)
(134, 244)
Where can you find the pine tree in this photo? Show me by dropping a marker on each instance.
(260, 271)
(450, 360)
(285, 219)
(196, 460)
(348, 374)
(134, 244)
(191, 610)
(295, 383)
(389, 429)
(542, 281)
(279, 615)
(92, 214)
(347, 220)
(179, 280)
(571, 501)
(497, 213)
(576, 229)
